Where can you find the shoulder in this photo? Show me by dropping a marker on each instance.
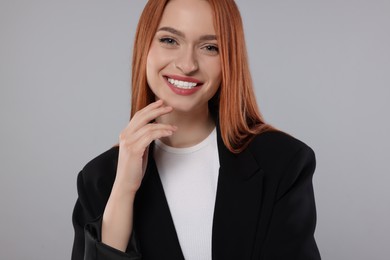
(98, 174)
(281, 155)
(94, 184)
(277, 140)
(286, 161)
(103, 162)
(277, 145)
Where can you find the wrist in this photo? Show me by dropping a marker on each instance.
(122, 190)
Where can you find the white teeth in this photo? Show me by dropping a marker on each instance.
(182, 84)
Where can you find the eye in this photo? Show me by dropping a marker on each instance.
(212, 49)
(168, 41)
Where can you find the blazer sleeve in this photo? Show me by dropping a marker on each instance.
(291, 231)
(87, 241)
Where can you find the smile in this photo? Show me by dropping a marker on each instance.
(182, 84)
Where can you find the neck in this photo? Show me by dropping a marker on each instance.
(192, 127)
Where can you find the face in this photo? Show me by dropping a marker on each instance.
(183, 64)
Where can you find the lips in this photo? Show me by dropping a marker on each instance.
(183, 86)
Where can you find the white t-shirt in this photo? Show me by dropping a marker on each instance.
(189, 177)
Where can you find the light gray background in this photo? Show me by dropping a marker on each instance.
(321, 71)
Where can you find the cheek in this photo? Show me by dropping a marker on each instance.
(215, 72)
(150, 61)
(158, 58)
(152, 66)
(149, 69)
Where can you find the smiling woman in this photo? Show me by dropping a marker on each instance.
(197, 174)
(184, 69)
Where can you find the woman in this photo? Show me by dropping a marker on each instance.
(197, 174)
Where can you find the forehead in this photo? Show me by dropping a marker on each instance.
(189, 16)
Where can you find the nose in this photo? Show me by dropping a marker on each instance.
(187, 62)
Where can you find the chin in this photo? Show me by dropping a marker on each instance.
(182, 106)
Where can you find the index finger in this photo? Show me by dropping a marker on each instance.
(149, 113)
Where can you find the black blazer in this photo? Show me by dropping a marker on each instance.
(264, 206)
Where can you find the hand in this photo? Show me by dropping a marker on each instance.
(134, 143)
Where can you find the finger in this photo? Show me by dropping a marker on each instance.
(151, 114)
(146, 139)
(151, 106)
(147, 129)
(137, 147)
(142, 118)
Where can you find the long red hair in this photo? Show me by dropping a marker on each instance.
(235, 102)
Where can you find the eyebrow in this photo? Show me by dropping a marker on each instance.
(208, 37)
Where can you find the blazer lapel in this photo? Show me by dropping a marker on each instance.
(238, 194)
(237, 206)
(153, 223)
